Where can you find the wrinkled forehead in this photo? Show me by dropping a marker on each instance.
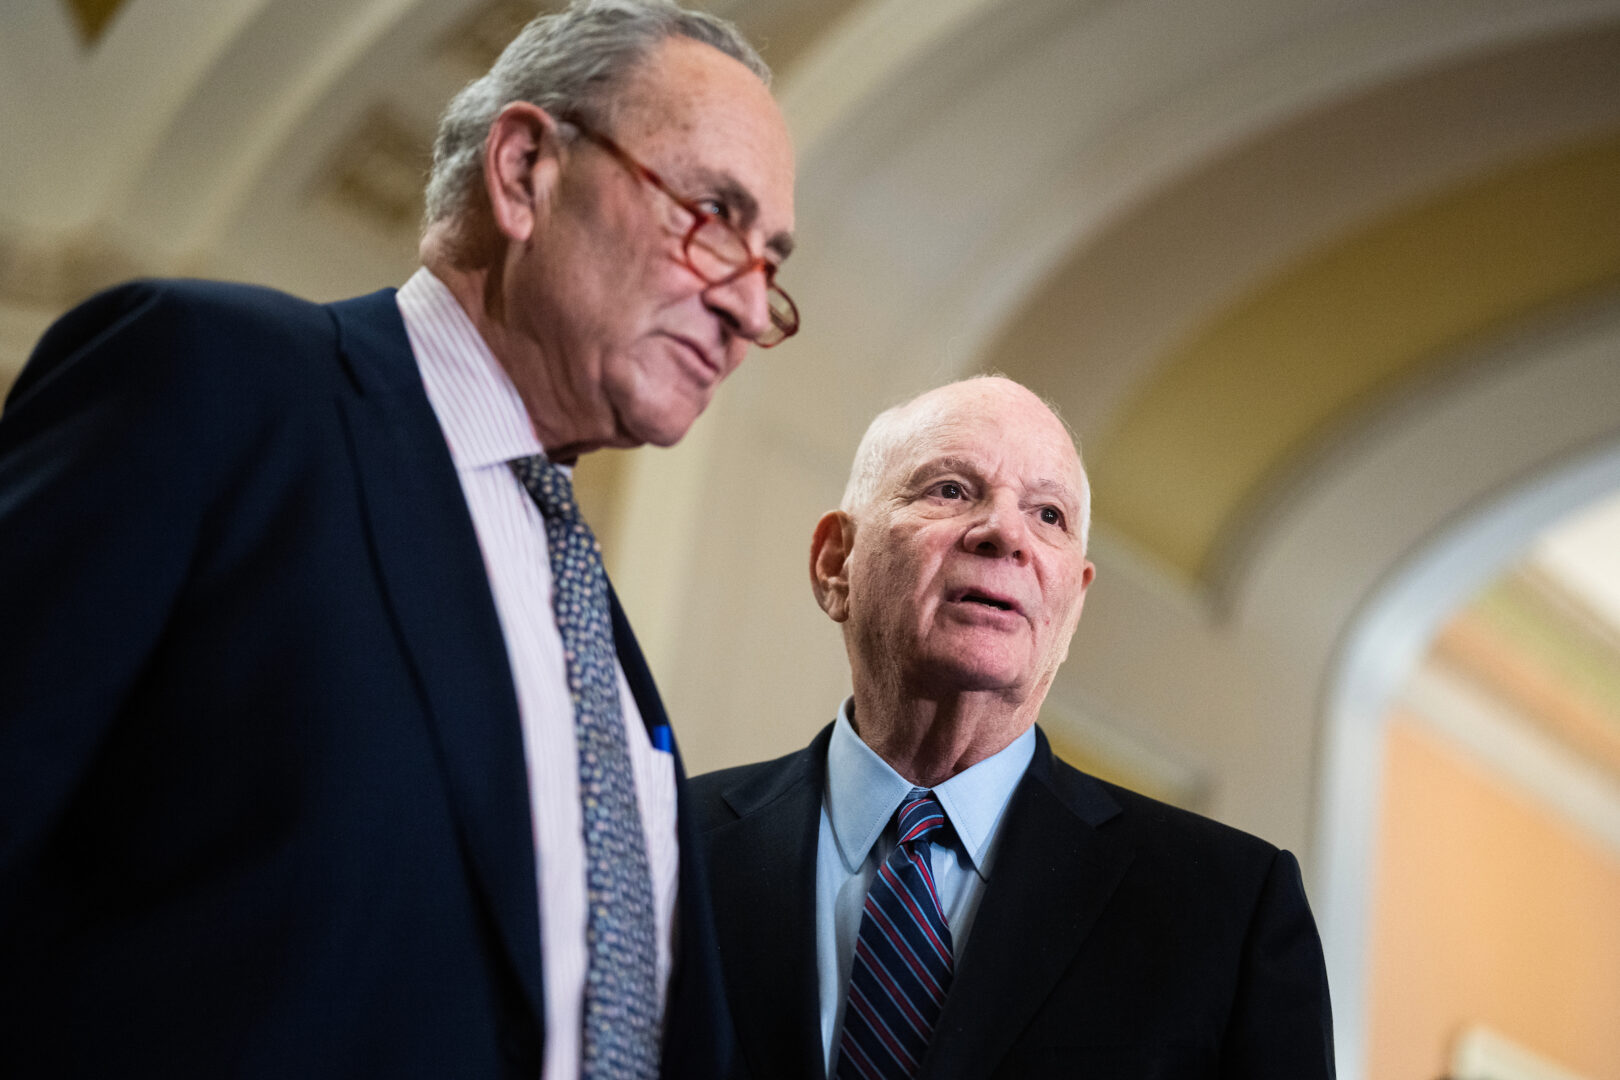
(1005, 429)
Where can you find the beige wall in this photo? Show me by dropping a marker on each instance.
(1488, 909)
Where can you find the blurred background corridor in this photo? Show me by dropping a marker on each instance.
(1329, 288)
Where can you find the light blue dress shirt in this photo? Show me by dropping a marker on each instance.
(862, 794)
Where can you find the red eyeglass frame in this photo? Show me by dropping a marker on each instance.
(784, 312)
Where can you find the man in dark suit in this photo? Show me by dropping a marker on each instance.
(301, 773)
(926, 891)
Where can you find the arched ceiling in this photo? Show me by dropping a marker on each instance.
(987, 154)
(1070, 192)
(1229, 410)
(1236, 321)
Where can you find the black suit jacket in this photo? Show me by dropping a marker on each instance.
(1118, 937)
(263, 803)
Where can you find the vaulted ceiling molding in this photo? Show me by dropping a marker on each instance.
(1201, 447)
(55, 273)
(379, 171)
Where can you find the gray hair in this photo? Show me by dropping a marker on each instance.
(895, 426)
(570, 64)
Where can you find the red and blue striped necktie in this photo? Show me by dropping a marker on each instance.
(903, 960)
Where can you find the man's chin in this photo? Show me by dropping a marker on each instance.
(963, 675)
(654, 405)
(656, 427)
(663, 436)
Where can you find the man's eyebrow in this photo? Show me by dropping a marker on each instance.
(946, 463)
(1056, 489)
(951, 463)
(744, 208)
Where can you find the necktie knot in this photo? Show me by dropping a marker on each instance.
(548, 485)
(920, 817)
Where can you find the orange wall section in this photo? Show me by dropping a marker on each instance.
(1488, 908)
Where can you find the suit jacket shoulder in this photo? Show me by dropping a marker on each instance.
(1175, 832)
(176, 333)
(1137, 938)
(723, 796)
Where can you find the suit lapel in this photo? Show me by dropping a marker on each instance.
(636, 672)
(766, 913)
(698, 1038)
(1052, 877)
(434, 579)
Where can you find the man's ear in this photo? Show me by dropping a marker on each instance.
(830, 548)
(522, 164)
(1088, 573)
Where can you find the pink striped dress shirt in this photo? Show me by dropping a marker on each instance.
(486, 426)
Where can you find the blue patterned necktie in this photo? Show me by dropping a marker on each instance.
(903, 960)
(621, 990)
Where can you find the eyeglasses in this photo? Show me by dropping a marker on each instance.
(714, 249)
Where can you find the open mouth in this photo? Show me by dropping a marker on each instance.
(987, 601)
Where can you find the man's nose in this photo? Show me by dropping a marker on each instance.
(742, 302)
(1001, 531)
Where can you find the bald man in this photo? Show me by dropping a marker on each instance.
(925, 891)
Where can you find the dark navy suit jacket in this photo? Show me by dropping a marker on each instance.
(263, 805)
(1118, 938)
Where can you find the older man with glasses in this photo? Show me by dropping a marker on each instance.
(326, 749)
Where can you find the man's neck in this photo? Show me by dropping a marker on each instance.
(930, 740)
(478, 289)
